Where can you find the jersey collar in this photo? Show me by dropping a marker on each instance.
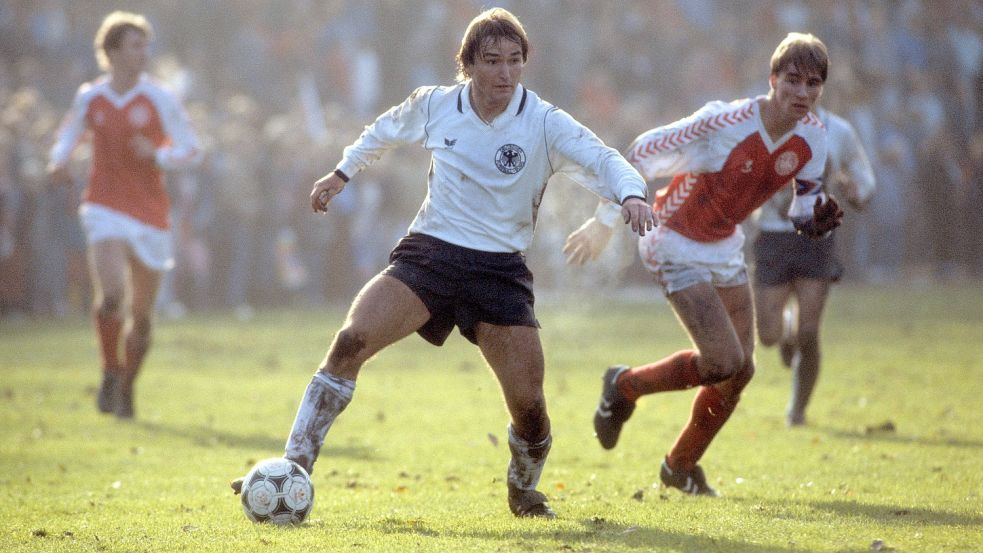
(516, 105)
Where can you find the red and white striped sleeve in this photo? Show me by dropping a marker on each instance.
(682, 146)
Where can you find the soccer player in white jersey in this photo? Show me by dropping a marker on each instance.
(726, 160)
(138, 130)
(494, 145)
(793, 272)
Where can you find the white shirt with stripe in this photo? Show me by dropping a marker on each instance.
(486, 180)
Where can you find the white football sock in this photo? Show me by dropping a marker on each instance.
(326, 397)
(527, 461)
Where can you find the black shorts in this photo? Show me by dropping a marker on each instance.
(782, 257)
(462, 287)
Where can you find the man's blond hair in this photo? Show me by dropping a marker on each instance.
(110, 33)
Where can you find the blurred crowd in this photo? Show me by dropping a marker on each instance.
(277, 88)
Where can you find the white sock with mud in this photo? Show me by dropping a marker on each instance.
(325, 398)
(528, 460)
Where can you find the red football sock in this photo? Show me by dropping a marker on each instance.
(135, 349)
(710, 412)
(108, 329)
(676, 372)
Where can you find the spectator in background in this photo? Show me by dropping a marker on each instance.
(884, 227)
(138, 130)
(241, 193)
(263, 48)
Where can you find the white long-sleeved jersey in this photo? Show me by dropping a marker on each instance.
(845, 154)
(487, 180)
(118, 179)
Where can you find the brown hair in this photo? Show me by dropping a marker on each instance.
(802, 50)
(110, 33)
(489, 25)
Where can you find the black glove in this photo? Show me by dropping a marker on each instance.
(825, 217)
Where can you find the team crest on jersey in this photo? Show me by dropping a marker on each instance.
(510, 159)
(138, 116)
(99, 118)
(786, 163)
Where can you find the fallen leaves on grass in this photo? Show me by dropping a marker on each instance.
(886, 426)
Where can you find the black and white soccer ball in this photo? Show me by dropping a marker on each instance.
(278, 491)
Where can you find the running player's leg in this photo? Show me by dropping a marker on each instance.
(770, 303)
(718, 355)
(144, 283)
(107, 270)
(724, 335)
(776, 260)
(515, 354)
(383, 312)
(811, 295)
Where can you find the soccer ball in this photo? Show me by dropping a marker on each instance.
(278, 491)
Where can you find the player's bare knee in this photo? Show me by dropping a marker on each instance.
(109, 306)
(348, 347)
(740, 380)
(714, 369)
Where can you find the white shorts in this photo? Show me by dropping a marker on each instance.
(679, 262)
(152, 246)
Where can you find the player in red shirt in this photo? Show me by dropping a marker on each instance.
(726, 160)
(137, 130)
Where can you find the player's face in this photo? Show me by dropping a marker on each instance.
(132, 55)
(796, 92)
(496, 72)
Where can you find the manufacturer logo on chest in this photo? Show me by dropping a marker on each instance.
(786, 163)
(510, 159)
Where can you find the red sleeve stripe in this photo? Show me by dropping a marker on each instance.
(678, 137)
(675, 199)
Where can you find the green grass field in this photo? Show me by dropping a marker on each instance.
(417, 461)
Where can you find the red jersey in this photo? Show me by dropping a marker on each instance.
(118, 179)
(725, 165)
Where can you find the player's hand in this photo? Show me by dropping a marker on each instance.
(586, 243)
(638, 213)
(325, 188)
(825, 217)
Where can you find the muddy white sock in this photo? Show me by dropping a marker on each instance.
(325, 398)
